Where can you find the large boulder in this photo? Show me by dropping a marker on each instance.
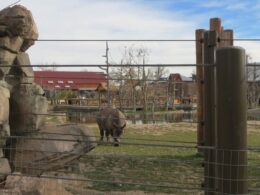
(50, 149)
(12, 44)
(4, 104)
(20, 74)
(4, 128)
(4, 112)
(18, 21)
(28, 109)
(10, 192)
(5, 168)
(18, 32)
(22, 185)
(6, 60)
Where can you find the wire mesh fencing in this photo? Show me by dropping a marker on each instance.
(158, 152)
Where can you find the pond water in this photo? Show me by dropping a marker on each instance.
(137, 118)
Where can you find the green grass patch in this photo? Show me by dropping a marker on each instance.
(177, 166)
(151, 165)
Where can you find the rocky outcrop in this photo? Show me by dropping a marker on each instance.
(4, 129)
(18, 32)
(22, 185)
(17, 21)
(52, 148)
(28, 109)
(4, 109)
(32, 148)
(21, 72)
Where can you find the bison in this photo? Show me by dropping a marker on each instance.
(111, 122)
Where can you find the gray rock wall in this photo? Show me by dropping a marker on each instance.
(17, 89)
(28, 106)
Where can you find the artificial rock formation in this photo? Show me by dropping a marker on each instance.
(52, 148)
(17, 32)
(28, 107)
(22, 185)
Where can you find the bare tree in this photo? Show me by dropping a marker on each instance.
(132, 78)
(117, 76)
(253, 89)
(160, 72)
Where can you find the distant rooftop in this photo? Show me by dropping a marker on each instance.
(179, 77)
(69, 79)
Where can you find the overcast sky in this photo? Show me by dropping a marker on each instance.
(135, 19)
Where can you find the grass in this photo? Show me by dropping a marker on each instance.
(168, 166)
(177, 167)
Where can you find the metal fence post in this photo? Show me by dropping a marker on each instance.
(231, 121)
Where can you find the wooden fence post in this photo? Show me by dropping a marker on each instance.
(227, 38)
(207, 103)
(210, 44)
(199, 81)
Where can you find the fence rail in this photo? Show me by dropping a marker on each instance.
(162, 157)
(188, 172)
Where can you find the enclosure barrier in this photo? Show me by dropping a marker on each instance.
(231, 121)
(225, 158)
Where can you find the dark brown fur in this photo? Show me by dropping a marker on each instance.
(111, 122)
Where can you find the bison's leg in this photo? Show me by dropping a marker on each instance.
(116, 141)
(107, 135)
(115, 138)
(101, 134)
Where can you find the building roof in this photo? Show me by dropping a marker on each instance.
(179, 77)
(175, 77)
(69, 80)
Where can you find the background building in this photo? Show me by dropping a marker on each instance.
(182, 89)
(85, 84)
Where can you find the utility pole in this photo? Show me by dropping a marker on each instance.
(107, 63)
(107, 71)
(144, 88)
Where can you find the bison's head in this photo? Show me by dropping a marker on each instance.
(117, 132)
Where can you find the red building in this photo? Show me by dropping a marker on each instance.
(182, 88)
(77, 81)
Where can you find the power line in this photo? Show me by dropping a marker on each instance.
(13, 4)
(114, 40)
(138, 40)
(104, 65)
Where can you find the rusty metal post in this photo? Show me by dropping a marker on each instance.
(232, 135)
(210, 44)
(199, 80)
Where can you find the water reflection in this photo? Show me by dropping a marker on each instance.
(137, 118)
